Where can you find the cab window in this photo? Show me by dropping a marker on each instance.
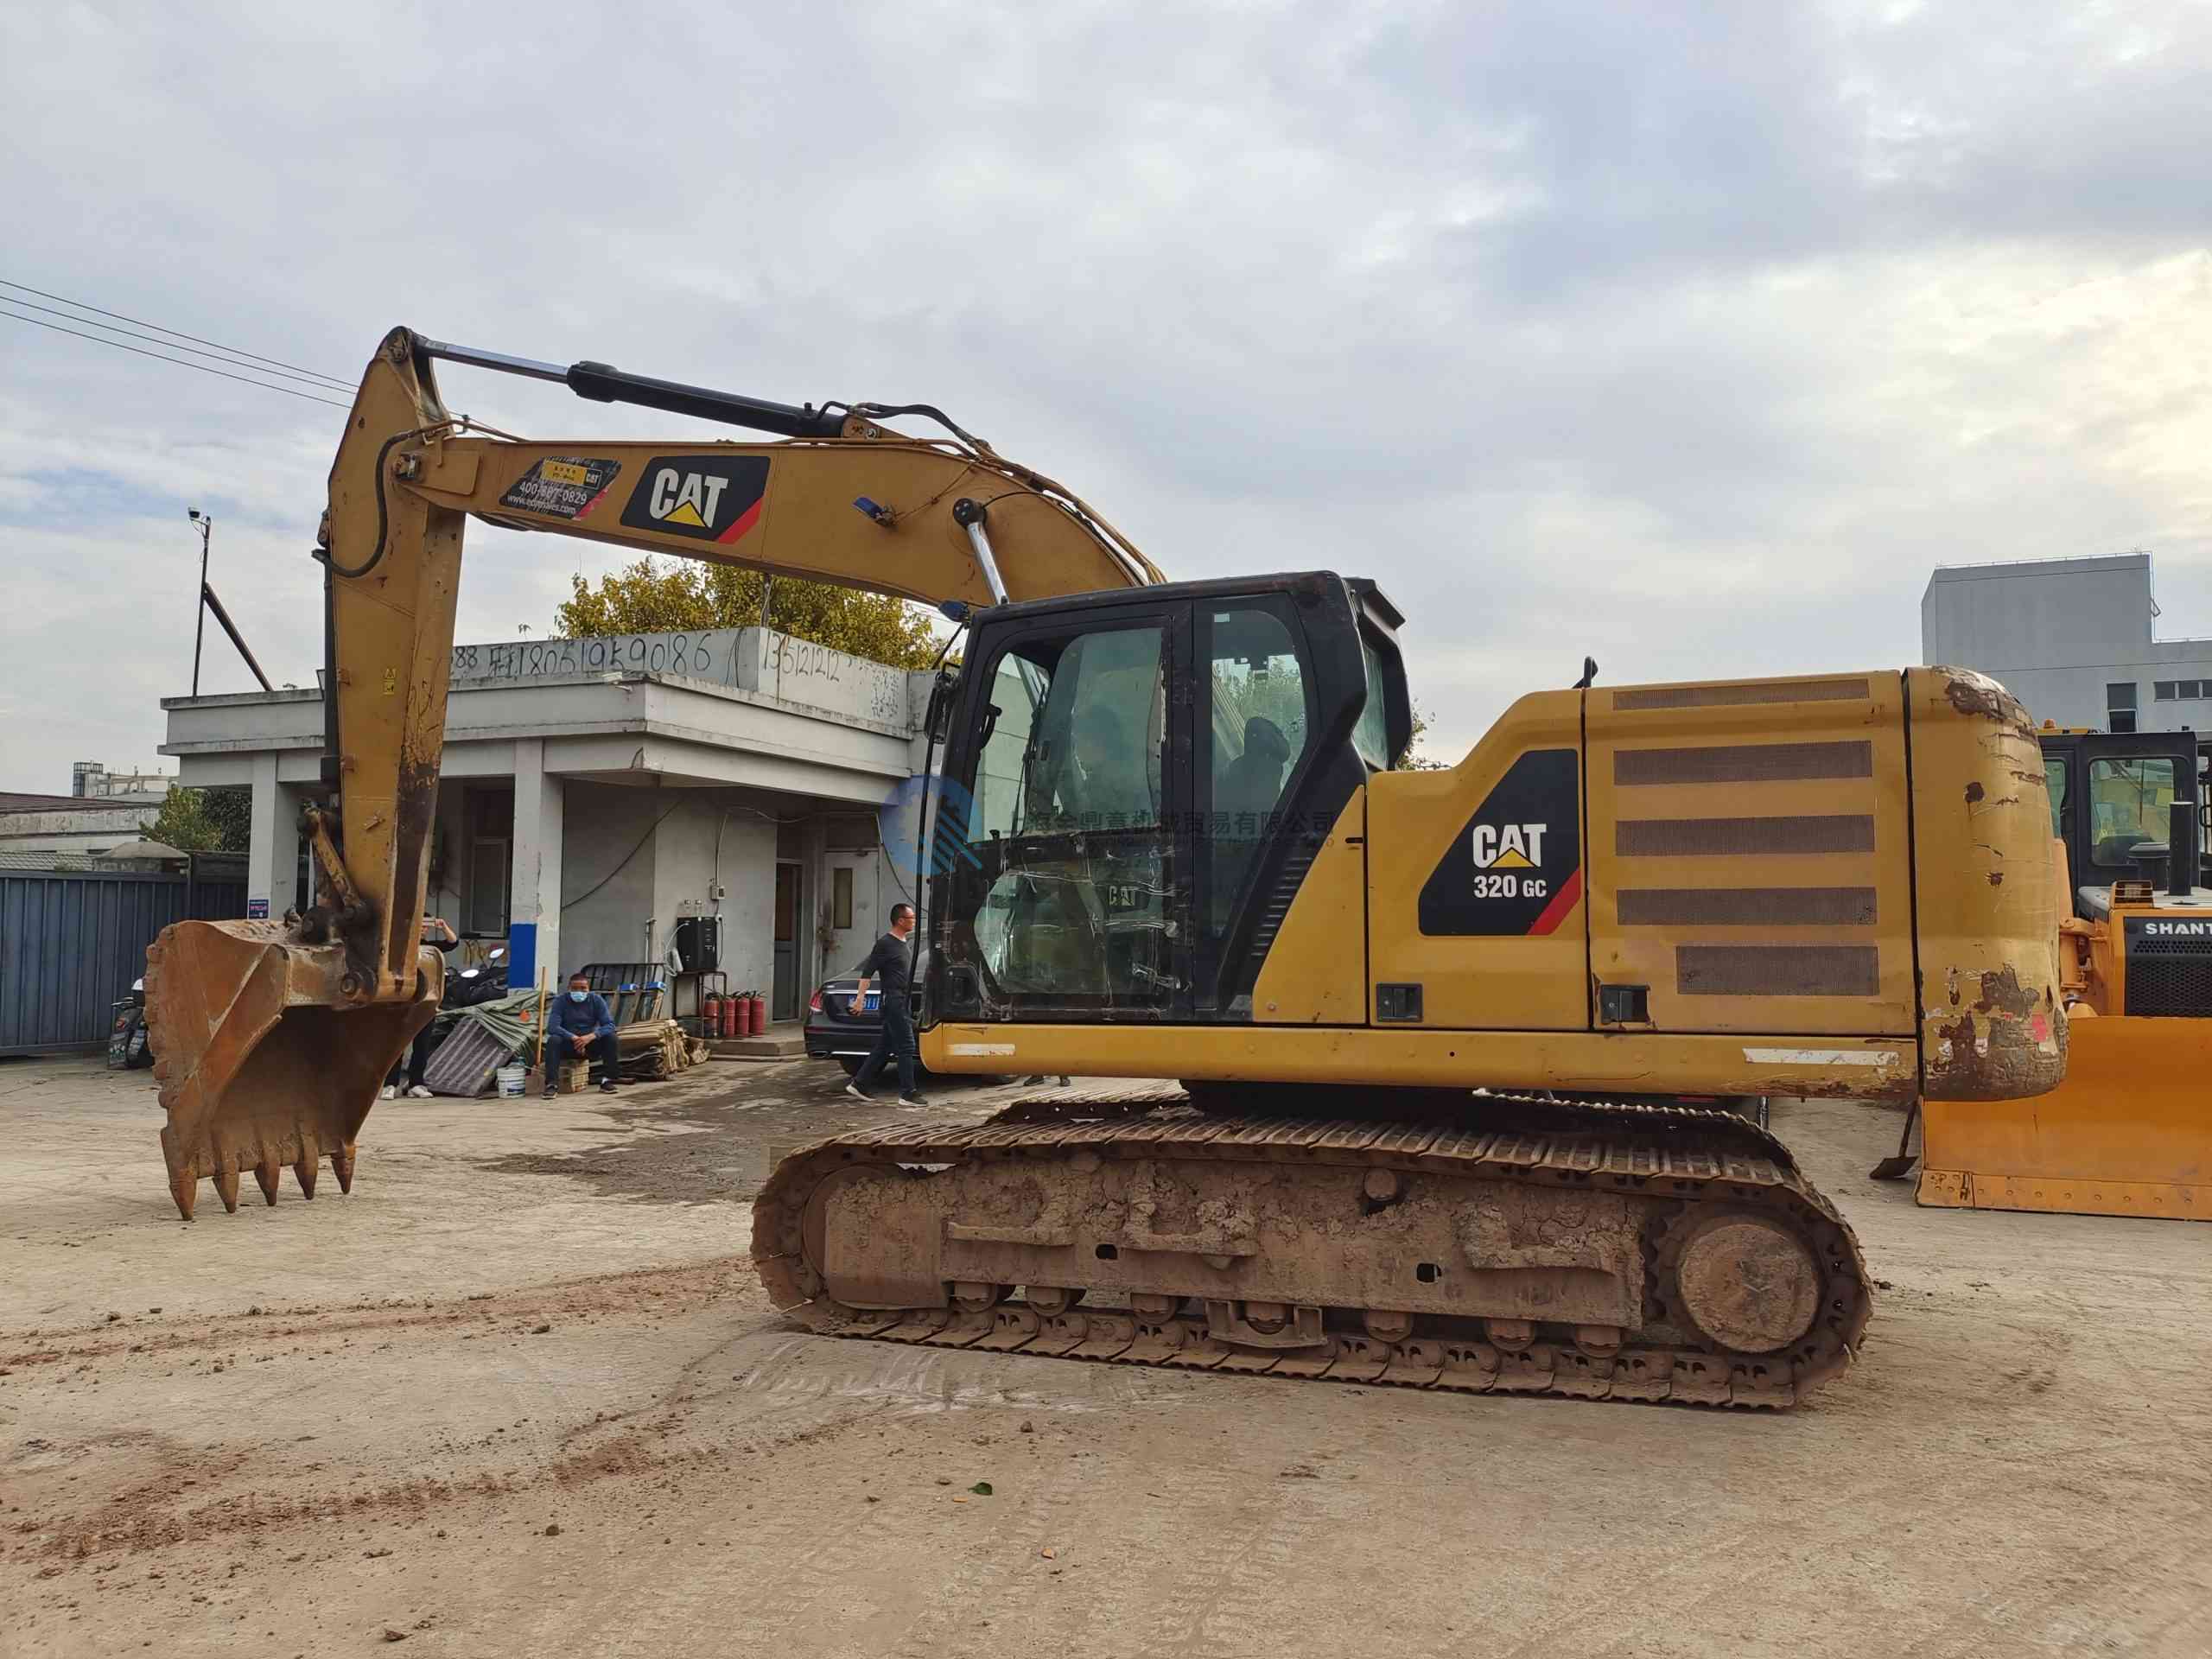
(2055, 775)
(2128, 802)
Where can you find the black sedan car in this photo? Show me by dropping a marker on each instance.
(835, 1030)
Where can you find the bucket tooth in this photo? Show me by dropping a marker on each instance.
(265, 1173)
(341, 1161)
(226, 1184)
(184, 1187)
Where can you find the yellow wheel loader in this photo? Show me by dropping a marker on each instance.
(2129, 1133)
(1414, 1058)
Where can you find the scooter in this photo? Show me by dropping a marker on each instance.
(486, 982)
(127, 1047)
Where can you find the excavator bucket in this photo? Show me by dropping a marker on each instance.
(2129, 1133)
(263, 1061)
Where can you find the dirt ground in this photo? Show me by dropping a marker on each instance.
(519, 1393)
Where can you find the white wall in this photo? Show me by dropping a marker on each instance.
(604, 908)
(685, 873)
(92, 827)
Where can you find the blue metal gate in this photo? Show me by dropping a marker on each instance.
(72, 942)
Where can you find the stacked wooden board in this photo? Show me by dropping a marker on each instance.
(656, 1048)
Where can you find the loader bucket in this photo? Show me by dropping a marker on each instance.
(262, 1061)
(2129, 1133)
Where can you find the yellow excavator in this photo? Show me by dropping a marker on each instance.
(1429, 1059)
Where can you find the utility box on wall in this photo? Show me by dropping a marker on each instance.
(699, 943)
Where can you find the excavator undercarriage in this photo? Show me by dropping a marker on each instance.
(1526, 1246)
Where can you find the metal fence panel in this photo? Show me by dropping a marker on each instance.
(71, 943)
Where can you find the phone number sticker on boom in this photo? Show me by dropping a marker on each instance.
(561, 487)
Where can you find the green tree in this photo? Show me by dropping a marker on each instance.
(200, 821)
(651, 597)
(1414, 760)
(231, 810)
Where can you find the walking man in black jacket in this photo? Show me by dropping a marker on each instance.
(886, 965)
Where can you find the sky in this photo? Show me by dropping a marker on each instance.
(1688, 338)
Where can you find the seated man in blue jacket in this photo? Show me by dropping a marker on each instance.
(580, 1027)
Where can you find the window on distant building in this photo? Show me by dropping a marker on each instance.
(2163, 691)
(2119, 706)
(491, 823)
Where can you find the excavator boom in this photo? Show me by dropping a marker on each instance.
(272, 1037)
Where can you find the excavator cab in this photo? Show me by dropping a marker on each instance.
(1142, 780)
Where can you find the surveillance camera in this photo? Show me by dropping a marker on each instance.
(192, 512)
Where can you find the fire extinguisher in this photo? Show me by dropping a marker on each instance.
(734, 1016)
(759, 1016)
(710, 1015)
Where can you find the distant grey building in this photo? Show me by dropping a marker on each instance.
(2074, 639)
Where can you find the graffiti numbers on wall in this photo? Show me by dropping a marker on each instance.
(694, 656)
(881, 691)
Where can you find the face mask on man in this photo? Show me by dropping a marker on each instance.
(578, 996)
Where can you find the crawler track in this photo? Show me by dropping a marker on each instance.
(1025, 1188)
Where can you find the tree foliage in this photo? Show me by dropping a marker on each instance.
(1415, 758)
(202, 820)
(682, 596)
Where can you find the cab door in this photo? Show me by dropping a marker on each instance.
(1063, 875)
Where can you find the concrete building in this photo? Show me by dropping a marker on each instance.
(596, 791)
(33, 827)
(2074, 639)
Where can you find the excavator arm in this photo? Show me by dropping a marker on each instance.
(273, 1037)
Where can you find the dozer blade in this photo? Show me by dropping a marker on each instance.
(261, 1061)
(2129, 1133)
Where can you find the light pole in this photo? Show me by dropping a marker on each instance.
(199, 609)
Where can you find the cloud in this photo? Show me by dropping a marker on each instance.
(1690, 339)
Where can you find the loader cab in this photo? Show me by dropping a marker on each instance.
(1134, 784)
(2111, 795)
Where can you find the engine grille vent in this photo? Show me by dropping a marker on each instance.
(1745, 763)
(1728, 697)
(2170, 978)
(1777, 970)
(1747, 908)
(1732, 837)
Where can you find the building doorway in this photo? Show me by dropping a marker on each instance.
(783, 1001)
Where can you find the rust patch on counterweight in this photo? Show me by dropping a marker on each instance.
(2011, 1043)
(1977, 694)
